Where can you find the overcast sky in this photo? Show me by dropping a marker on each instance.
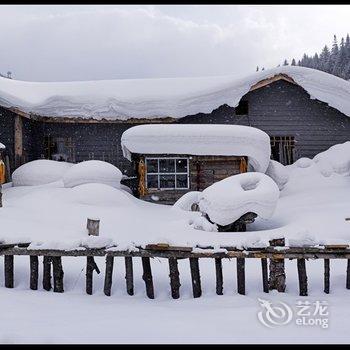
(62, 43)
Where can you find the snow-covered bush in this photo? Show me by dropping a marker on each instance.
(187, 200)
(99, 195)
(39, 172)
(278, 173)
(227, 200)
(92, 171)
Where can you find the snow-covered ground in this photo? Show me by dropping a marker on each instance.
(312, 209)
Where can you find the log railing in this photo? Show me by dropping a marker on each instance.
(272, 265)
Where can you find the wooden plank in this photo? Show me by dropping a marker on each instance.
(302, 277)
(108, 275)
(265, 276)
(147, 277)
(165, 246)
(196, 278)
(241, 276)
(174, 278)
(129, 275)
(219, 276)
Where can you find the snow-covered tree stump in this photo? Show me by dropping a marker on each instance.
(93, 227)
(277, 272)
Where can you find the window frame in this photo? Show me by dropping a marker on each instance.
(175, 173)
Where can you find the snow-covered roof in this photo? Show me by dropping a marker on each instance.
(199, 139)
(157, 98)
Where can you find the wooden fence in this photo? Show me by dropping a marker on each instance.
(272, 265)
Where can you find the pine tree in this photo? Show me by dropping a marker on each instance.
(334, 54)
(293, 62)
(285, 63)
(257, 68)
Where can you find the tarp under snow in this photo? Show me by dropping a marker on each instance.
(157, 98)
(199, 139)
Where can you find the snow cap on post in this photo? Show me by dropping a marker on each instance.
(200, 140)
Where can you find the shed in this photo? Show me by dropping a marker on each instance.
(172, 159)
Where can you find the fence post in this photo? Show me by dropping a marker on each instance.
(277, 272)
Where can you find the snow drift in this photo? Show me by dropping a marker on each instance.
(278, 173)
(227, 200)
(92, 171)
(153, 98)
(39, 172)
(203, 139)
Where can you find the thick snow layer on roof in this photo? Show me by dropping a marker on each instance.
(199, 139)
(167, 97)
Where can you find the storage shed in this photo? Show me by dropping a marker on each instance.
(172, 159)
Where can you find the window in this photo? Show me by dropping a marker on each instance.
(167, 173)
(242, 108)
(283, 149)
(60, 148)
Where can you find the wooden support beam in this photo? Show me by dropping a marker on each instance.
(277, 278)
(147, 277)
(302, 277)
(91, 266)
(18, 140)
(108, 275)
(47, 273)
(9, 273)
(196, 278)
(348, 275)
(57, 274)
(129, 275)
(241, 276)
(265, 275)
(326, 275)
(219, 276)
(34, 272)
(174, 278)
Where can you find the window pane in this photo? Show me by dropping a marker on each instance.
(166, 165)
(152, 181)
(181, 165)
(152, 165)
(167, 181)
(181, 181)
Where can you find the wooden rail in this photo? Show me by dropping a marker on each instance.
(273, 274)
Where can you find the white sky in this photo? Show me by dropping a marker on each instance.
(62, 43)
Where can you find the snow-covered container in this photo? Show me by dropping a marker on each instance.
(173, 159)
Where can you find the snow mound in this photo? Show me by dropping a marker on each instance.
(303, 162)
(2, 146)
(39, 172)
(201, 223)
(203, 139)
(100, 195)
(186, 201)
(92, 171)
(227, 200)
(153, 98)
(334, 160)
(278, 173)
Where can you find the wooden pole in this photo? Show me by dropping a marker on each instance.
(348, 275)
(34, 272)
(108, 275)
(241, 276)
(129, 275)
(147, 277)
(47, 273)
(302, 277)
(57, 274)
(90, 267)
(326, 275)
(277, 272)
(93, 227)
(8, 271)
(196, 278)
(265, 275)
(174, 278)
(219, 276)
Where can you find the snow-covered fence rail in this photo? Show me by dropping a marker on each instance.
(273, 274)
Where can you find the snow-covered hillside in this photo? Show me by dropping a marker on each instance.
(168, 97)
